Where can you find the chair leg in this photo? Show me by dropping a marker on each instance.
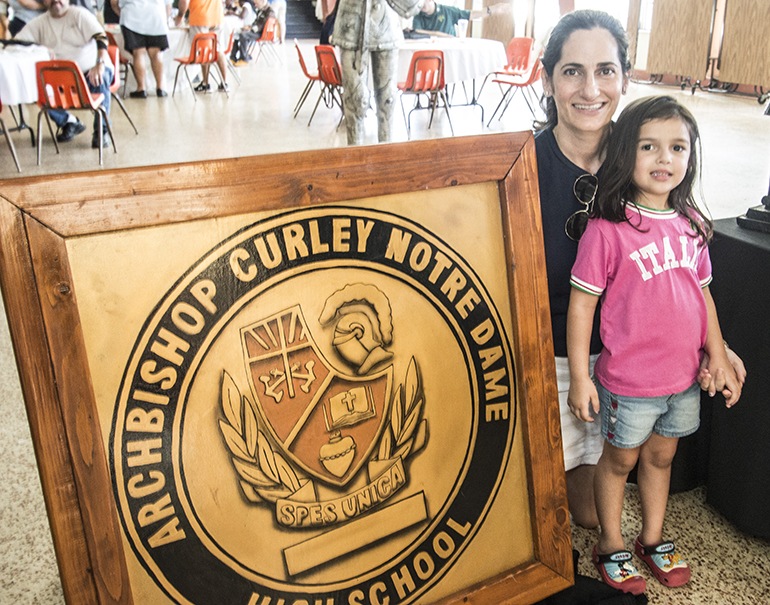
(101, 134)
(192, 88)
(303, 96)
(316, 104)
(494, 113)
(106, 120)
(508, 102)
(232, 70)
(176, 77)
(125, 111)
(50, 129)
(406, 120)
(446, 108)
(39, 124)
(222, 81)
(10, 144)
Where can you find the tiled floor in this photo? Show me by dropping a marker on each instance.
(729, 567)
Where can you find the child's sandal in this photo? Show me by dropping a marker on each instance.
(617, 571)
(665, 563)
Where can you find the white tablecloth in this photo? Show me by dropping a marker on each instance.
(17, 73)
(464, 58)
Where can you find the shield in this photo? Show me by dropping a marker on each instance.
(326, 422)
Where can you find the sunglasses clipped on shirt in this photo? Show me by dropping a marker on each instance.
(585, 192)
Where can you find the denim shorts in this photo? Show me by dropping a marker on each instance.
(627, 422)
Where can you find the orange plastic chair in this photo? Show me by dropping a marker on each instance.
(312, 79)
(515, 83)
(330, 73)
(228, 61)
(125, 64)
(203, 51)
(115, 86)
(267, 41)
(425, 77)
(8, 138)
(518, 56)
(61, 85)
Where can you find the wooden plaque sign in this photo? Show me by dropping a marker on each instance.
(320, 378)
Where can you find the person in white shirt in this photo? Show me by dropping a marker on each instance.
(74, 34)
(144, 24)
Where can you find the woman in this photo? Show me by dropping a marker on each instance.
(586, 70)
(144, 24)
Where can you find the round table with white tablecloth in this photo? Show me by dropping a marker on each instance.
(18, 82)
(464, 58)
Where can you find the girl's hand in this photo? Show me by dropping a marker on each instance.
(713, 384)
(724, 378)
(582, 398)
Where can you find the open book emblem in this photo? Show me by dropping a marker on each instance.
(325, 421)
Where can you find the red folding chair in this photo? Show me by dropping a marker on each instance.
(516, 83)
(267, 41)
(61, 85)
(425, 77)
(312, 79)
(115, 86)
(331, 79)
(518, 56)
(124, 64)
(228, 61)
(203, 51)
(8, 138)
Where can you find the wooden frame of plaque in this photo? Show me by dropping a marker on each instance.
(82, 259)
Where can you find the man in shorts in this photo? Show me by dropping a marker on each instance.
(144, 24)
(207, 16)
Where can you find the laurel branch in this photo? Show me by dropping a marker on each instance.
(265, 474)
(407, 431)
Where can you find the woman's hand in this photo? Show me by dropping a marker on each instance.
(712, 384)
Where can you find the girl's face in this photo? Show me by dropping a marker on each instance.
(587, 81)
(662, 157)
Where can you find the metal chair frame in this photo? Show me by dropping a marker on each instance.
(115, 86)
(266, 41)
(203, 51)
(312, 79)
(518, 54)
(61, 85)
(425, 77)
(228, 61)
(8, 139)
(514, 84)
(331, 80)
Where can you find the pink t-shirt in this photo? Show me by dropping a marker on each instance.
(654, 319)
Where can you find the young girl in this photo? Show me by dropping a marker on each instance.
(644, 255)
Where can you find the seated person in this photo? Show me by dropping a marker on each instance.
(440, 19)
(74, 34)
(253, 17)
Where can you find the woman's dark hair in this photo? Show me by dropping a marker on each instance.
(567, 25)
(616, 186)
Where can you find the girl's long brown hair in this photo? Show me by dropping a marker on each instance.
(616, 186)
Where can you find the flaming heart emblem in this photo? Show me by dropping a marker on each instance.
(338, 454)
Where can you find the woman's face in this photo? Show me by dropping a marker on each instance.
(587, 81)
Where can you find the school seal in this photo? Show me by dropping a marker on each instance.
(320, 410)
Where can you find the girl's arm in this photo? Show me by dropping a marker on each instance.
(580, 318)
(719, 367)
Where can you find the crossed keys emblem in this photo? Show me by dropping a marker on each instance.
(288, 378)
